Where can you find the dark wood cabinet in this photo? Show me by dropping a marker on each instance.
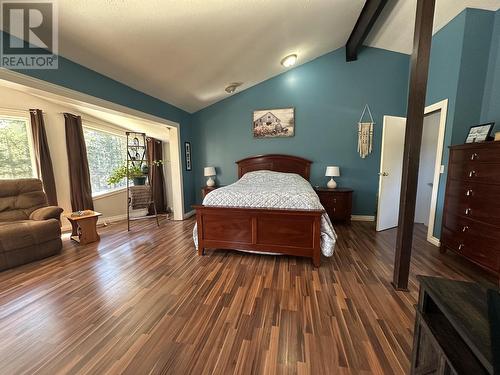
(337, 203)
(454, 329)
(207, 189)
(471, 216)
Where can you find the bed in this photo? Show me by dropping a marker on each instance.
(272, 208)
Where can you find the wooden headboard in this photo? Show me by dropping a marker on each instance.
(276, 163)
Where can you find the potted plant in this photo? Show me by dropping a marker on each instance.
(134, 172)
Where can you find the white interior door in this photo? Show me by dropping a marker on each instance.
(391, 168)
(426, 170)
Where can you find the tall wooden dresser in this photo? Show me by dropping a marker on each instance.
(471, 217)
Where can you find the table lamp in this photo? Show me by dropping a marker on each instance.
(332, 171)
(209, 172)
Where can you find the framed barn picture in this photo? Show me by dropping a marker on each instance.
(272, 123)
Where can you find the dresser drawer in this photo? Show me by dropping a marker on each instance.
(460, 191)
(333, 199)
(475, 248)
(337, 213)
(487, 211)
(467, 227)
(475, 172)
(476, 154)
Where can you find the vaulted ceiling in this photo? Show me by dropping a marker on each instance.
(186, 52)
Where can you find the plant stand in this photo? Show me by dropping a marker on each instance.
(136, 157)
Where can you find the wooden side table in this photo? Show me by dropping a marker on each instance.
(337, 203)
(207, 189)
(84, 227)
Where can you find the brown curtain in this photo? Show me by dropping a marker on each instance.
(42, 156)
(155, 153)
(79, 176)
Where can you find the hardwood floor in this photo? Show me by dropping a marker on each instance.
(143, 302)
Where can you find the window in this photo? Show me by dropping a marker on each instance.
(16, 150)
(105, 152)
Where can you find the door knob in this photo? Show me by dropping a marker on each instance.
(383, 174)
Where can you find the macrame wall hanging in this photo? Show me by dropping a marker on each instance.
(365, 134)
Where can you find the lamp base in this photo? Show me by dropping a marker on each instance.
(331, 184)
(210, 182)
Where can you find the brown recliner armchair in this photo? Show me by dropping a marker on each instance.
(29, 229)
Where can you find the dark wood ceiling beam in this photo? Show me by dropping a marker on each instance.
(413, 138)
(369, 14)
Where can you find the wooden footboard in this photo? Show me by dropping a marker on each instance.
(291, 232)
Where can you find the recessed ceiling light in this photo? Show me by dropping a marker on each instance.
(231, 88)
(289, 60)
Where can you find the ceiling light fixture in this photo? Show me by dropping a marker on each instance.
(289, 60)
(231, 88)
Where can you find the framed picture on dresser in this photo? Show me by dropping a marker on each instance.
(480, 133)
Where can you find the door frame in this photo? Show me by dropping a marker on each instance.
(443, 107)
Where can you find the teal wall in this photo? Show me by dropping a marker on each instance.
(473, 68)
(328, 95)
(491, 101)
(79, 78)
(444, 73)
(459, 64)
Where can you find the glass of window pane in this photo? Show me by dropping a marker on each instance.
(16, 154)
(105, 152)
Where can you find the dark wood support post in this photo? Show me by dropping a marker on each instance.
(413, 139)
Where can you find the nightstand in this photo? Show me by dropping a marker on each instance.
(207, 189)
(337, 203)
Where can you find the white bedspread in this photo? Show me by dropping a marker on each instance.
(267, 189)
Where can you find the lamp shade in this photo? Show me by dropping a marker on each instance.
(332, 171)
(209, 171)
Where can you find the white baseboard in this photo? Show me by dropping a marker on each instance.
(187, 215)
(103, 221)
(362, 218)
(433, 240)
(111, 219)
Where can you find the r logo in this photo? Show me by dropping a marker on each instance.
(29, 34)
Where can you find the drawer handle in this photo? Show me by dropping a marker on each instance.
(460, 247)
(465, 228)
(472, 173)
(468, 211)
(469, 193)
(474, 156)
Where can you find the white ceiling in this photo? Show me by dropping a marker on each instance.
(186, 51)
